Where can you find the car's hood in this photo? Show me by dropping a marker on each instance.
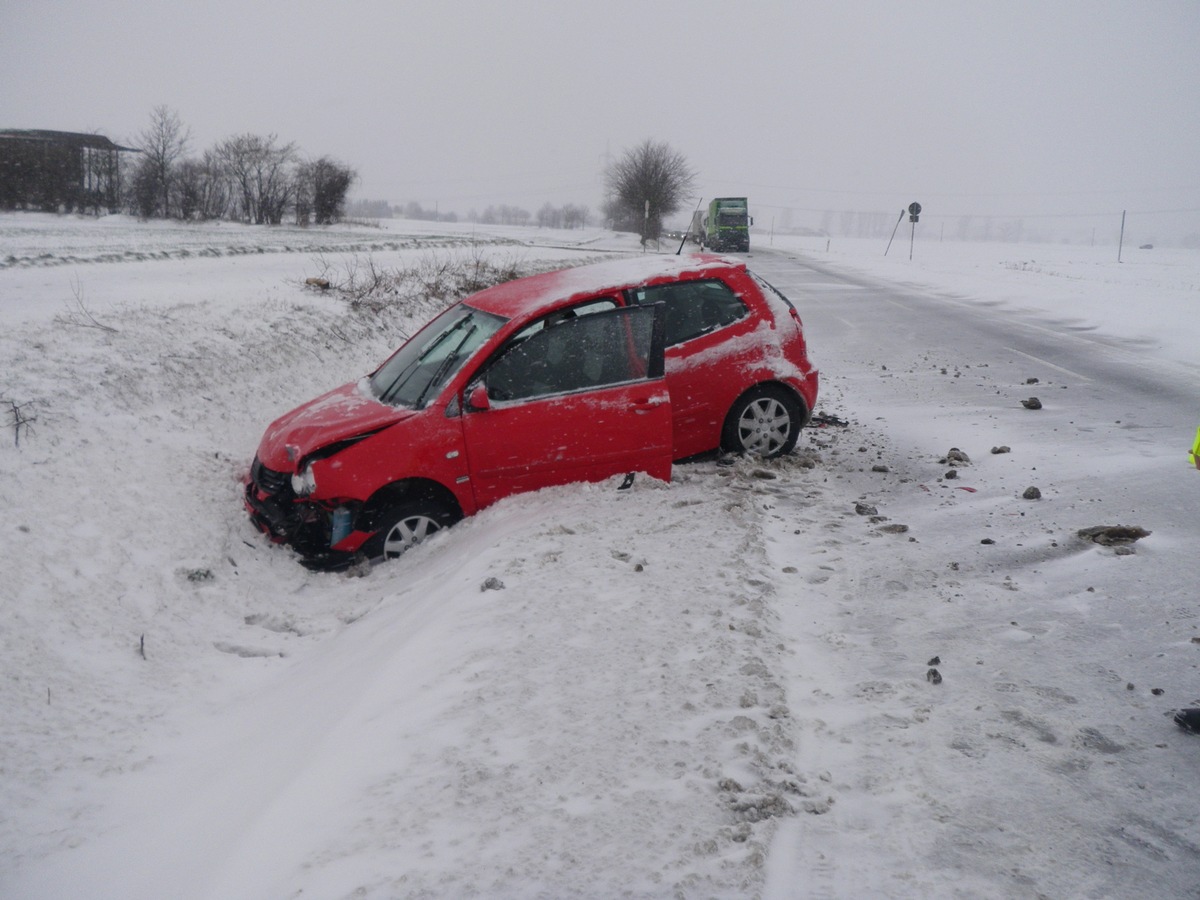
(343, 413)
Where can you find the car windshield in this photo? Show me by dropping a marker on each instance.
(423, 365)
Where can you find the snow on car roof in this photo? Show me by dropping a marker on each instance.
(551, 289)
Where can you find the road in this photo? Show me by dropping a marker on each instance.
(1105, 397)
(1045, 763)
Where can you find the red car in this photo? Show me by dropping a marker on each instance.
(576, 375)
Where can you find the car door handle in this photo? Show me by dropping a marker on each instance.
(641, 404)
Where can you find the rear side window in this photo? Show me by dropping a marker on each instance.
(693, 307)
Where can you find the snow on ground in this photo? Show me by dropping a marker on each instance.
(712, 688)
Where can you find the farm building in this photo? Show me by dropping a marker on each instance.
(59, 171)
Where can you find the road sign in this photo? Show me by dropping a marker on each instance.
(914, 211)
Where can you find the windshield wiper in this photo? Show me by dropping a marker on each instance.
(444, 368)
(389, 394)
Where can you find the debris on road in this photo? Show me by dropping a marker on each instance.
(1109, 535)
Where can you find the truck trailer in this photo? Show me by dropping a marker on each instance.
(727, 225)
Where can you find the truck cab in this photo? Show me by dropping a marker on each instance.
(727, 225)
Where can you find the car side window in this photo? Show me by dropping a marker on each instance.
(693, 307)
(558, 355)
(600, 304)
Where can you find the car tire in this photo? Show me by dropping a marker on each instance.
(405, 525)
(763, 422)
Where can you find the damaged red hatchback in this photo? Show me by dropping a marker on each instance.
(576, 375)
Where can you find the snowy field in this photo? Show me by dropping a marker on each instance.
(714, 688)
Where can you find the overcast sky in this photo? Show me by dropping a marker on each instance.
(1025, 107)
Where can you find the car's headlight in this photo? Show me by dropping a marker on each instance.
(304, 483)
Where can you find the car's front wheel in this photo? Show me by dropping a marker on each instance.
(764, 422)
(405, 525)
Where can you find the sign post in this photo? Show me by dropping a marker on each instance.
(914, 213)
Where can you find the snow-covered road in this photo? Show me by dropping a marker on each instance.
(1044, 739)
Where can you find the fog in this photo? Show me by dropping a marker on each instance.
(1060, 115)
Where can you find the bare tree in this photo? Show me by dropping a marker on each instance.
(143, 194)
(321, 187)
(574, 216)
(162, 143)
(648, 183)
(260, 170)
(550, 216)
(188, 187)
(201, 188)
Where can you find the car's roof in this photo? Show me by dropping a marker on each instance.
(550, 290)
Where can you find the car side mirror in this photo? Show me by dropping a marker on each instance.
(477, 398)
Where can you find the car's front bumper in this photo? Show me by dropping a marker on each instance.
(305, 526)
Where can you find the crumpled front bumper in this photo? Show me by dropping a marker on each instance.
(275, 511)
(305, 526)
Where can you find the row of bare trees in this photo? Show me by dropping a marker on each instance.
(258, 179)
(568, 216)
(247, 178)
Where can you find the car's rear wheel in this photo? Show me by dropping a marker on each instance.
(764, 422)
(405, 525)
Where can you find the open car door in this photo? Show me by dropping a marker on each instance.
(582, 399)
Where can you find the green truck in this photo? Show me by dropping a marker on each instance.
(727, 225)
